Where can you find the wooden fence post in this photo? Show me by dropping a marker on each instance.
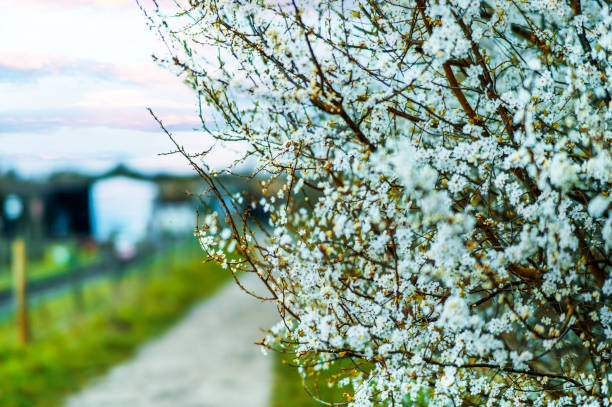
(20, 290)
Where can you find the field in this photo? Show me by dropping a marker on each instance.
(288, 389)
(79, 335)
(57, 259)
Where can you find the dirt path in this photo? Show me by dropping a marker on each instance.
(206, 360)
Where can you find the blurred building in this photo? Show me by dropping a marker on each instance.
(122, 211)
(120, 206)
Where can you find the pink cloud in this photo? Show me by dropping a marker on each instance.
(64, 3)
(124, 118)
(92, 3)
(48, 64)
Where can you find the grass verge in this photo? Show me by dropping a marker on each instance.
(46, 267)
(288, 388)
(78, 336)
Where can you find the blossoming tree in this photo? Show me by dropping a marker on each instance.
(438, 187)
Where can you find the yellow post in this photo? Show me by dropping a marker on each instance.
(20, 290)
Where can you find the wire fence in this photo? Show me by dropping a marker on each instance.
(110, 267)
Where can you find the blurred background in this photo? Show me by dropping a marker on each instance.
(97, 253)
(72, 228)
(92, 267)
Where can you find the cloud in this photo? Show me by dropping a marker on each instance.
(19, 68)
(49, 92)
(75, 78)
(132, 118)
(97, 149)
(99, 4)
(16, 66)
(73, 3)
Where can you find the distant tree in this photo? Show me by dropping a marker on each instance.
(439, 179)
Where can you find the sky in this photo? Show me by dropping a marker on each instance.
(76, 77)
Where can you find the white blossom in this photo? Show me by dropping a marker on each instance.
(436, 179)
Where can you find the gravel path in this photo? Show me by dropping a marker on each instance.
(207, 360)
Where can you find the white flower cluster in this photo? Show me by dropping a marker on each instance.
(439, 187)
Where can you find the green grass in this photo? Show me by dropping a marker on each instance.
(79, 335)
(288, 389)
(47, 267)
